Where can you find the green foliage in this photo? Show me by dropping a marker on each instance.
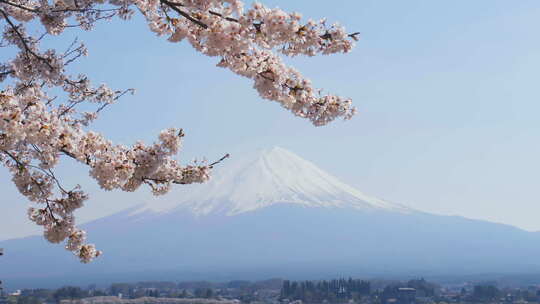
(332, 291)
(184, 294)
(12, 300)
(423, 287)
(69, 292)
(485, 293)
(123, 288)
(28, 300)
(204, 293)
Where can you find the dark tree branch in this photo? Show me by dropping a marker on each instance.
(19, 6)
(174, 6)
(220, 160)
(23, 40)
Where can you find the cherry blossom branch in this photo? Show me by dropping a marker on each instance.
(58, 10)
(219, 160)
(23, 40)
(18, 6)
(36, 133)
(15, 29)
(174, 6)
(6, 73)
(15, 159)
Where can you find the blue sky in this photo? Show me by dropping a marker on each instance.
(447, 95)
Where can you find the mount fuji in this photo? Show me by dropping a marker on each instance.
(273, 214)
(271, 177)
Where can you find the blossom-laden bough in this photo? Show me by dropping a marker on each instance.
(38, 128)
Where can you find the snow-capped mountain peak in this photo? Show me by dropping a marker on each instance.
(271, 176)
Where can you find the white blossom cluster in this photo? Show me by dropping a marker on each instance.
(247, 41)
(38, 126)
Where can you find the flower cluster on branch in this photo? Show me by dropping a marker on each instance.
(38, 128)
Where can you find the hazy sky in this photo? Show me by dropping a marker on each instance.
(447, 94)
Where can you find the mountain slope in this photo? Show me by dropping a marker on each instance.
(273, 215)
(266, 178)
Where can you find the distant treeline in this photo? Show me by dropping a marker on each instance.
(319, 291)
(422, 288)
(271, 291)
(246, 291)
(199, 289)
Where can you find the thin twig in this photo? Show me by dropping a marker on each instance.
(23, 41)
(174, 6)
(219, 161)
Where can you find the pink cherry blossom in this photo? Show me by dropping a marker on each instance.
(37, 130)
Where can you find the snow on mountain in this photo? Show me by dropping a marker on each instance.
(269, 177)
(286, 218)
